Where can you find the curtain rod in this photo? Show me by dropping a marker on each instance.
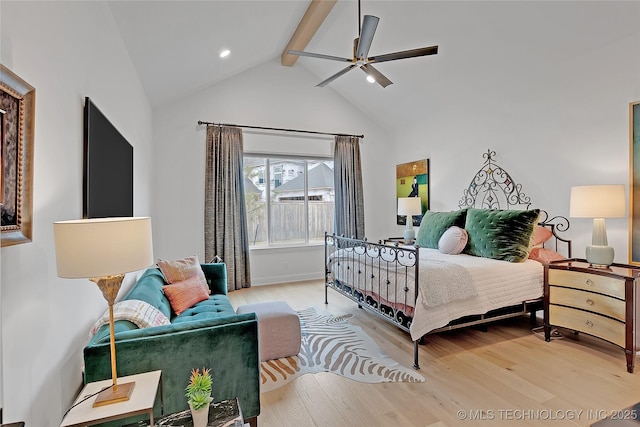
(200, 122)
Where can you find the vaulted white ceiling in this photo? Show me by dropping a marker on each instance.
(482, 45)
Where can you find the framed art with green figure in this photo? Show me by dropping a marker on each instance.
(412, 180)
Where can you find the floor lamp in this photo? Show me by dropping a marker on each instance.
(102, 250)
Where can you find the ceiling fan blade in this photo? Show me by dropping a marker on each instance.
(432, 50)
(335, 76)
(369, 25)
(318, 55)
(377, 75)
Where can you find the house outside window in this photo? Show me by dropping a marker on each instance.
(297, 206)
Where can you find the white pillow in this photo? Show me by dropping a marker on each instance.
(453, 241)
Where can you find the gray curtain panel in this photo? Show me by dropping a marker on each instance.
(349, 216)
(225, 217)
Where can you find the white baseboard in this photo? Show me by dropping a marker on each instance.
(272, 280)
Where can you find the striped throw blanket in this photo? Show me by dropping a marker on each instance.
(141, 313)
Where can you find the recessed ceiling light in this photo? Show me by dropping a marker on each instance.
(371, 79)
(225, 53)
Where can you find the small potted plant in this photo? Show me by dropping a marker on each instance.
(198, 394)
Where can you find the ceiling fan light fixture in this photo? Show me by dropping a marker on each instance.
(361, 59)
(224, 53)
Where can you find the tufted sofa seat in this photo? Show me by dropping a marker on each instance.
(209, 334)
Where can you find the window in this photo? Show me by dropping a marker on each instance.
(296, 208)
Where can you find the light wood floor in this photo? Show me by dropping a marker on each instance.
(505, 376)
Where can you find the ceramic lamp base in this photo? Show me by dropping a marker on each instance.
(409, 235)
(599, 256)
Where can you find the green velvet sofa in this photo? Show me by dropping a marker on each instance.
(209, 334)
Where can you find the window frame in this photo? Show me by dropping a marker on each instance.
(268, 157)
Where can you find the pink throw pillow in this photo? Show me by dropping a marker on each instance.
(544, 255)
(183, 269)
(540, 235)
(185, 294)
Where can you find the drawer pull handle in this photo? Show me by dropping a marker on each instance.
(589, 323)
(590, 301)
(589, 282)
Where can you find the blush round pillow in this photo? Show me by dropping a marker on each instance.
(453, 240)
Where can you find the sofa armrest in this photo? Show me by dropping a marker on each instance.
(229, 346)
(216, 274)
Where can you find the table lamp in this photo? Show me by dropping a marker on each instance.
(102, 250)
(598, 202)
(409, 206)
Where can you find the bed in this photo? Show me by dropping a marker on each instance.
(494, 272)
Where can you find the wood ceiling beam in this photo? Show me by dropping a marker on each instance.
(315, 15)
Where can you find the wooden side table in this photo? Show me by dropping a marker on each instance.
(140, 402)
(602, 302)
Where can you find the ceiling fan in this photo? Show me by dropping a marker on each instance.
(366, 30)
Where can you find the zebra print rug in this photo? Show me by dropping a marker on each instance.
(331, 344)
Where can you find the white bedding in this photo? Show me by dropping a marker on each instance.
(498, 284)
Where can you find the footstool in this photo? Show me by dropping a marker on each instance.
(278, 329)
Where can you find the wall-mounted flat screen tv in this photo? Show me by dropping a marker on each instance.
(108, 167)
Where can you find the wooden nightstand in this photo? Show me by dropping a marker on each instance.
(597, 301)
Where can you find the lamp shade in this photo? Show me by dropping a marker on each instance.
(409, 206)
(98, 247)
(597, 201)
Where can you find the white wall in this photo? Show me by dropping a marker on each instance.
(268, 95)
(563, 124)
(566, 125)
(66, 50)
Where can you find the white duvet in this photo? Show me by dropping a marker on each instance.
(497, 283)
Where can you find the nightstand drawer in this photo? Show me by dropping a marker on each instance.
(597, 303)
(588, 282)
(593, 324)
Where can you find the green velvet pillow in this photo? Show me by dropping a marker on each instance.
(500, 234)
(434, 224)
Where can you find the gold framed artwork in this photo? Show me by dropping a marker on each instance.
(412, 180)
(634, 183)
(17, 111)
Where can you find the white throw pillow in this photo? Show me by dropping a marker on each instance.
(453, 240)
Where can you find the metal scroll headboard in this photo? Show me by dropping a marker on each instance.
(492, 187)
